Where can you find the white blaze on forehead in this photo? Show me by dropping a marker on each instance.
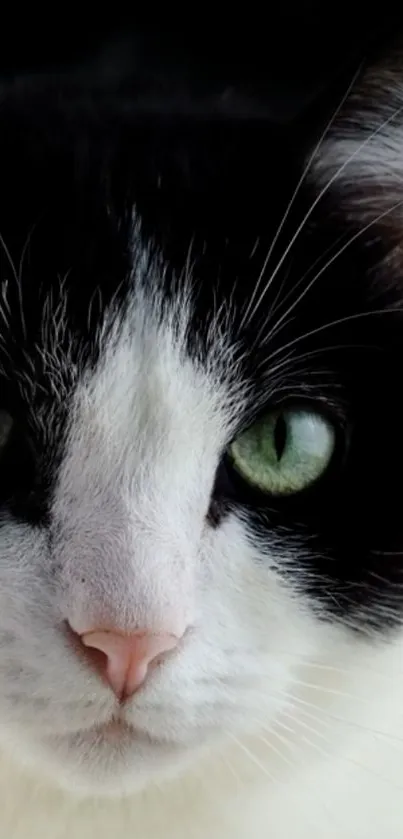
(147, 429)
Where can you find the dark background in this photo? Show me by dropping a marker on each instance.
(288, 52)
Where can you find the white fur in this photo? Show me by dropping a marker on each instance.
(265, 722)
(337, 775)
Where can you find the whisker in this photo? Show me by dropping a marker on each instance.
(296, 286)
(326, 753)
(295, 194)
(18, 283)
(337, 322)
(255, 760)
(255, 247)
(293, 747)
(324, 716)
(25, 249)
(301, 738)
(274, 748)
(331, 691)
(294, 360)
(4, 296)
(318, 198)
(327, 265)
(302, 724)
(344, 671)
(282, 284)
(231, 769)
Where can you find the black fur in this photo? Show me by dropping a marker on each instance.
(210, 183)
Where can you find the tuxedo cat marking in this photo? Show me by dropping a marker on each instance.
(200, 440)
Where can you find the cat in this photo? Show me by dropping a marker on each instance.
(200, 451)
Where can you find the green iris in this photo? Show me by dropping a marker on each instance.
(284, 452)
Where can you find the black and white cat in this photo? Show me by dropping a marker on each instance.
(201, 531)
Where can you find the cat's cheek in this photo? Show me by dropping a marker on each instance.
(256, 620)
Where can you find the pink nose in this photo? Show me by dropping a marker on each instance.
(124, 661)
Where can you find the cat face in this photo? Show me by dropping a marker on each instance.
(198, 420)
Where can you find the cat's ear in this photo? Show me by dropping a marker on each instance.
(362, 155)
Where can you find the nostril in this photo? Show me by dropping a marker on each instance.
(123, 661)
(95, 659)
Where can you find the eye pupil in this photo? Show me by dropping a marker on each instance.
(280, 436)
(285, 451)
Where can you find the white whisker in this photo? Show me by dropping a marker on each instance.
(290, 204)
(255, 760)
(270, 745)
(314, 204)
(325, 717)
(319, 260)
(337, 322)
(326, 753)
(18, 283)
(324, 268)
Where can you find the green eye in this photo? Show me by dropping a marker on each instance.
(285, 451)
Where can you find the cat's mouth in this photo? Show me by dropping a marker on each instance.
(117, 732)
(111, 757)
(114, 731)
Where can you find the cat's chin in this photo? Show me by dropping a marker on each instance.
(110, 759)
